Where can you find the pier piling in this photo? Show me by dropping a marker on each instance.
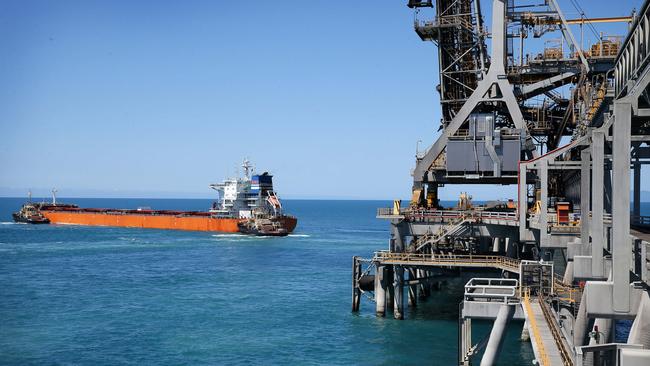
(380, 291)
(356, 291)
(398, 285)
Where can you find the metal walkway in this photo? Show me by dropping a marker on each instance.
(544, 343)
(548, 343)
(448, 260)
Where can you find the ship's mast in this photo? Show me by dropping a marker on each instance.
(248, 168)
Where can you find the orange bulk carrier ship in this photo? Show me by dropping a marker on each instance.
(247, 204)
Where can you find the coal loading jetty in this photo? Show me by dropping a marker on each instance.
(568, 123)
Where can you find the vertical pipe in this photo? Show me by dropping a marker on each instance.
(380, 291)
(461, 335)
(585, 183)
(644, 268)
(621, 253)
(597, 200)
(468, 332)
(522, 204)
(398, 284)
(543, 215)
(636, 208)
(390, 293)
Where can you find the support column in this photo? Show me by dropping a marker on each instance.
(636, 208)
(525, 335)
(380, 291)
(508, 247)
(413, 288)
(585, 184)
(495, 245)
(464, 339)
(597, 202)
(608, 189)
(543, 216)
(356, 291)
(492, 349)
(522, 204)
(398, 284)
(621, 251)
(390, 291)
(397, 238)
(423, 286)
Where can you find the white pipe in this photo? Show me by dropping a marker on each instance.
(496, 335)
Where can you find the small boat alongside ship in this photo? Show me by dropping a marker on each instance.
(247, 205)
(30, 214)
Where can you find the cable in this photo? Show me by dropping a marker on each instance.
(577, 6)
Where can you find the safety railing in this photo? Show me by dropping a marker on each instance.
(634, 55)
(640, 220)
(491, 289)
(555, 331)
(390, 211)
(430, 215)
(495, 261)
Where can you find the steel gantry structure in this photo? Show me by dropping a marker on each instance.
(570, 126)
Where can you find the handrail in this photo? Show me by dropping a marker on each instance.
(532, 322)
(491, 288)
(639, 220)
(425, 213)
(564, 354)
(498, 261)
(632, 59)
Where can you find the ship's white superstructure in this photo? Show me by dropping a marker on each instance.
(246, 196)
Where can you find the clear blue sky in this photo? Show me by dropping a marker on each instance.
(142, 98)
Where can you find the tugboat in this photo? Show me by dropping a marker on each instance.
(30, 214)
(262, 227)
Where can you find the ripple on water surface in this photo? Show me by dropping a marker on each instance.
(99, 295)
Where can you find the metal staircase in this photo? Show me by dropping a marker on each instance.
(451, 228)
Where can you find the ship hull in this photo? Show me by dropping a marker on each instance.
(275, 226)
(288, 222)
(158, 221)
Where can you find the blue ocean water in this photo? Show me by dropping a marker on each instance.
(99, 295)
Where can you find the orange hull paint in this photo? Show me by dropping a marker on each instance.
(171, 222)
